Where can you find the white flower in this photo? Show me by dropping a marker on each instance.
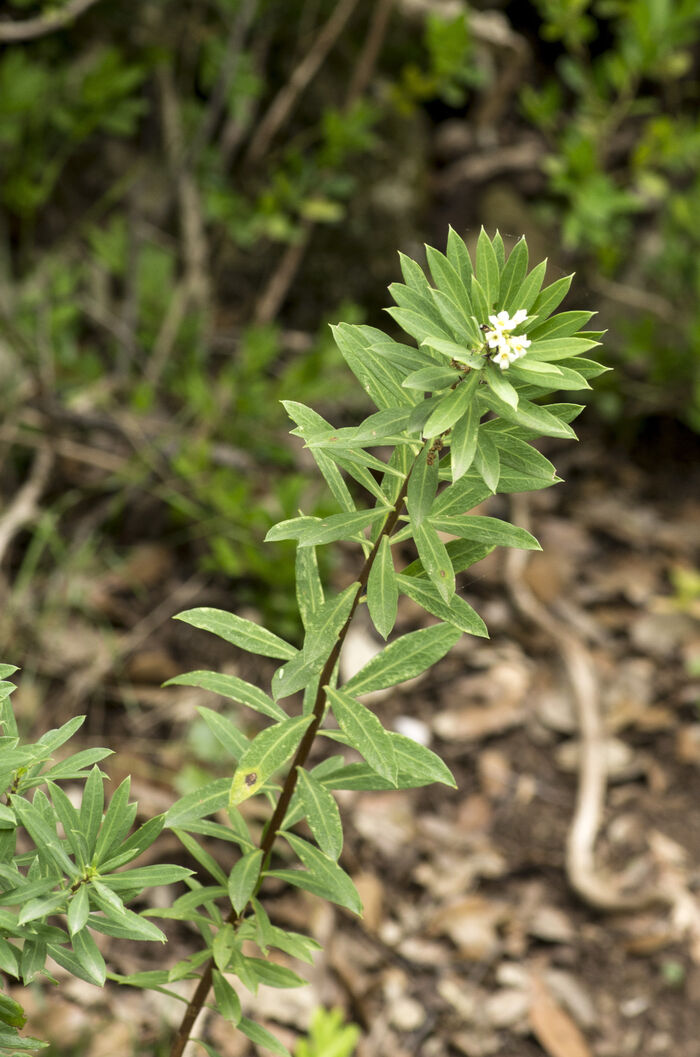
(507, 347)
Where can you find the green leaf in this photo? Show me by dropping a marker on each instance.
(487, 270)
(330, 880)
(489, 530)
(308, 423)
(539, 419)
(232, 687)
(529, 288)
(322, 814)
(41, 908)
(78, 910)
(555, 349)
(265, 971)
(420, 763)
(451, 407)
(91, 809)
(401, 660)
(313, 531)
(458, 256)
(463, 495)
(262, 1037)
(512, 276)
(127, 926)
(413, 274)
(227, 1001)
(147, 877)
(549, 376)
(73, 766)
(479, 301)
(205, 801)
(563, 325)
(456, 612)
(267, 752)
(69, 818)
(365, 732)
(202, 856)
(361, 348)
(422, 486)
(464, 432)
(242, 633)
(43, 835)
(53, 739)
(296, 675)
(435, 559)
(447, 279)
(431, 379)
(382, 593)
(225, 942)
(462, 554)
(454, 351)
(227, 733)
(117, 822)
(88, 955)
(10, 1040)
(243, 879)
(523, 458)
(327, 623)
(551, 297)
(137, 843)
(499, 250)
(501, 386)
(309, 589)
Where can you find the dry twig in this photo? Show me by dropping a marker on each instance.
(282, 105)
(583, 875)
(11, 32)
(23, 507)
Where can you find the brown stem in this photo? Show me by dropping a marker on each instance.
(200, 996)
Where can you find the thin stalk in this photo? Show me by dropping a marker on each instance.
(205, 981)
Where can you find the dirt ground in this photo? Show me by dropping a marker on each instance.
(474, 941)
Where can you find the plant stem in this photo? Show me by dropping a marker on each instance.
(203, 987)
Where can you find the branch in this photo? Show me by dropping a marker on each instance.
(24, 506)
(30, 28)
(270, 833)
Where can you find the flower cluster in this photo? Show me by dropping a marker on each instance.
(507, 347)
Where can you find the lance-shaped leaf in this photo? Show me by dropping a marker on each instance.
(521, 457)
(89, 957)
(462, 496)
(243, 633)
(529, 288)
(419, 763)
(541, 420)
(310, 531)
(377, 375)
(454, 351)
(489, 530)
(262, 1037)
(297, 674)
(91, 809)
(563, 325)
(487, 460)
(365, 732)
(487, 270)
(227, 1001)
(458, 256)
(422, 486)
(451, 408)
(309, 589)
(501, 386)
(243, 879)
(456, 612)
(401, 660)
(232, 687)
(327, 622)
(321, 813)
(322, 876)
(435, 559)
(78, 910)
(551, 349)
(462, 553)
(226, 733)
(382, 592)
(551, 297)
(197, 804)
(431, 379)
(464, 432)
(117, 822)
(267, 752)
(43, 835)
(309, 422)
(447, 278)
(512, 276)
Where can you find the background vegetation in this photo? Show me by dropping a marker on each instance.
(189, 194)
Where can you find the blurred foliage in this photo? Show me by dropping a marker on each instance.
(187, 192)
(621, 121)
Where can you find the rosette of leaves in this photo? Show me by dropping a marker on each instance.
(451, 428)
